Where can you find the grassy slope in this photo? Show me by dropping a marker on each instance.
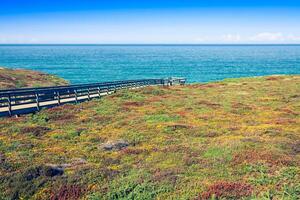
(236, 138)
(25, 78)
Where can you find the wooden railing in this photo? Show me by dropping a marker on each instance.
(29, 100)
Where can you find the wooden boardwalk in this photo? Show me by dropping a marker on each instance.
(30, 100)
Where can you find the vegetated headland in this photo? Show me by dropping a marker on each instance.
(233, 139)
(17, 78)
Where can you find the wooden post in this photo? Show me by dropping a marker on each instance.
(76, 96)
(37, 101)
(58, 98)
(89, 97)
(9, 105)
(99, 92)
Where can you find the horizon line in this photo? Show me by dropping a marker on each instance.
(149, 44)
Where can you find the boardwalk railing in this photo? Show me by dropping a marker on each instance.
(29, 100)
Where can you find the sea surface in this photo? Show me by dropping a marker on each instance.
(198, 63)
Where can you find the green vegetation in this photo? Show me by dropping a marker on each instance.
(234, 139)
(18, 78)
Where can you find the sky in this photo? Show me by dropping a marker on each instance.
(149, 22)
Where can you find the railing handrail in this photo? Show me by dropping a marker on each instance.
(70, 93)
(73, 85)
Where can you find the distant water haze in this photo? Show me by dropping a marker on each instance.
(97, 63)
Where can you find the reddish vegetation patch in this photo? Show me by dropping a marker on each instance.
(258, 156)
(154, 91)
(155, 99)
(296, 148)
(284, 121)
(180, 127)
(170, 175)
(102, 119)
(288, 111)
(133, 104)
(128, 151)
(176, 148)
(192, 158)
(194, 86)
(62, 113)
(62, 117)
(6, 77)
(204, 117)
(63, 108)
(182, 113)
(209, 104)
(241, 106)
(230, 190)
(273, 78)
(233, 128)
(210, 85)
(210, 134)
(68, 192)
(35, 130)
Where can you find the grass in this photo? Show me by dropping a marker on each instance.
(233, 139)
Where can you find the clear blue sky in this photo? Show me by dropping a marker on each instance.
(155, 21)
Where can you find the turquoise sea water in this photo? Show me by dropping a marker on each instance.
(80, 64)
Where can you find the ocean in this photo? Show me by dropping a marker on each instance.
(197, 63)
